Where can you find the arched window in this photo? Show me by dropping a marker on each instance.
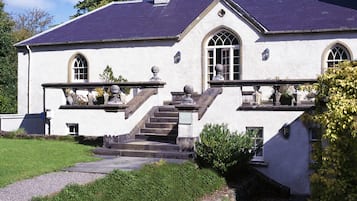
(336, 54)
(79, 69)
(223, 47)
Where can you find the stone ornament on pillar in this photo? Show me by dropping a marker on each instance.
(115, 90)
(155, 70)
(219, 72)
(188, 90)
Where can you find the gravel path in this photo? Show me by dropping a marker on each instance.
(44, 185)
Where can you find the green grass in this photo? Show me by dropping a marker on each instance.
(21, 159)
(156, 182)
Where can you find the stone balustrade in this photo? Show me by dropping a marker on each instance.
(271, 94)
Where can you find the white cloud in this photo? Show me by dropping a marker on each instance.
(73, 2)
(29, 4)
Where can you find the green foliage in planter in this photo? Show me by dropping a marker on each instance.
(108, 76)
(222, 149)
(335, 158)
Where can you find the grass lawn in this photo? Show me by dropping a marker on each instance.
(157, 182)
(21, 159)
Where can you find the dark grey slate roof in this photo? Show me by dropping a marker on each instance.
(302, 15)
(144, 20)
(126, 21)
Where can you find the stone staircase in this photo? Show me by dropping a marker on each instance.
(161, 127)
(156, 138)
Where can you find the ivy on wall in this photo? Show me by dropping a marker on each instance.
(335, 158)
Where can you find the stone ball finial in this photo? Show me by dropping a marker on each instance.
(155, 70)
(115, 89)
(219, 68)
(219, 72)
(188, 90)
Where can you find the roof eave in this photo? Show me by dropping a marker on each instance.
(310, 31)
(176, 38)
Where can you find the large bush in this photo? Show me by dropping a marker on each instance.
(335, 176)
(222, 149)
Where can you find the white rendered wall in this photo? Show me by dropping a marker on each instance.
(291, 56)
(287, 159)
(92, 122)
(32, 123)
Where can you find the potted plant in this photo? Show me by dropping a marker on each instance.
(287, 95)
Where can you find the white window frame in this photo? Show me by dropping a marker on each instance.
(210, 62)
(256, 157)
(337, 53)
(72, 128)
(79, 63)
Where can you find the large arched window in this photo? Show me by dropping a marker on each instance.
(336, 54)
(79, 69)
(223, 47)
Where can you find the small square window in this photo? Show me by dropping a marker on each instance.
(258, 142)
(72, 129)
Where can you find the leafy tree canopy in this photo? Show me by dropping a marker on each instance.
(8, 75)
(85, 6)
(335, 158)
(31, 22)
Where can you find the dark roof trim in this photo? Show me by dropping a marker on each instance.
(311, 31)
(175, 38)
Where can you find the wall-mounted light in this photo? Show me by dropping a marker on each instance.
(177, 57)
(285, 130)
(265, 54)
(221, 13)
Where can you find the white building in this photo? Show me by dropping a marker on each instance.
(258, 43)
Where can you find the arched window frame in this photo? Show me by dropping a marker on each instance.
(336, 53)
(78, 68)
(227, 44)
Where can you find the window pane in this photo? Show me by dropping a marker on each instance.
(222, 46)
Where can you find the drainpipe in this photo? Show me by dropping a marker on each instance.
(28, 77)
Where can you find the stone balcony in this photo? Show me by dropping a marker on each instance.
(271, 95)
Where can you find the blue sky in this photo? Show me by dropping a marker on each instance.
(59, 9)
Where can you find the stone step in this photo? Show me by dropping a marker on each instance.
(146, 145)
(164, 119)
(167, 108)
(166, 114)
(168, 125)
(157, 137)
(144, 153)
(159, 131)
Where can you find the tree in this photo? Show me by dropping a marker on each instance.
(8, 72)
(335, 158)
(31, 22)
(85, 6)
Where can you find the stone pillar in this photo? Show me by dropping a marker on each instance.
(276, 95)
(188, 132)
(257, 95)
(219, 72)
(155, 70)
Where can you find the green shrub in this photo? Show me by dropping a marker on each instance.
(16, 133)
(335, 158)
(155, 182)
(222, 149)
